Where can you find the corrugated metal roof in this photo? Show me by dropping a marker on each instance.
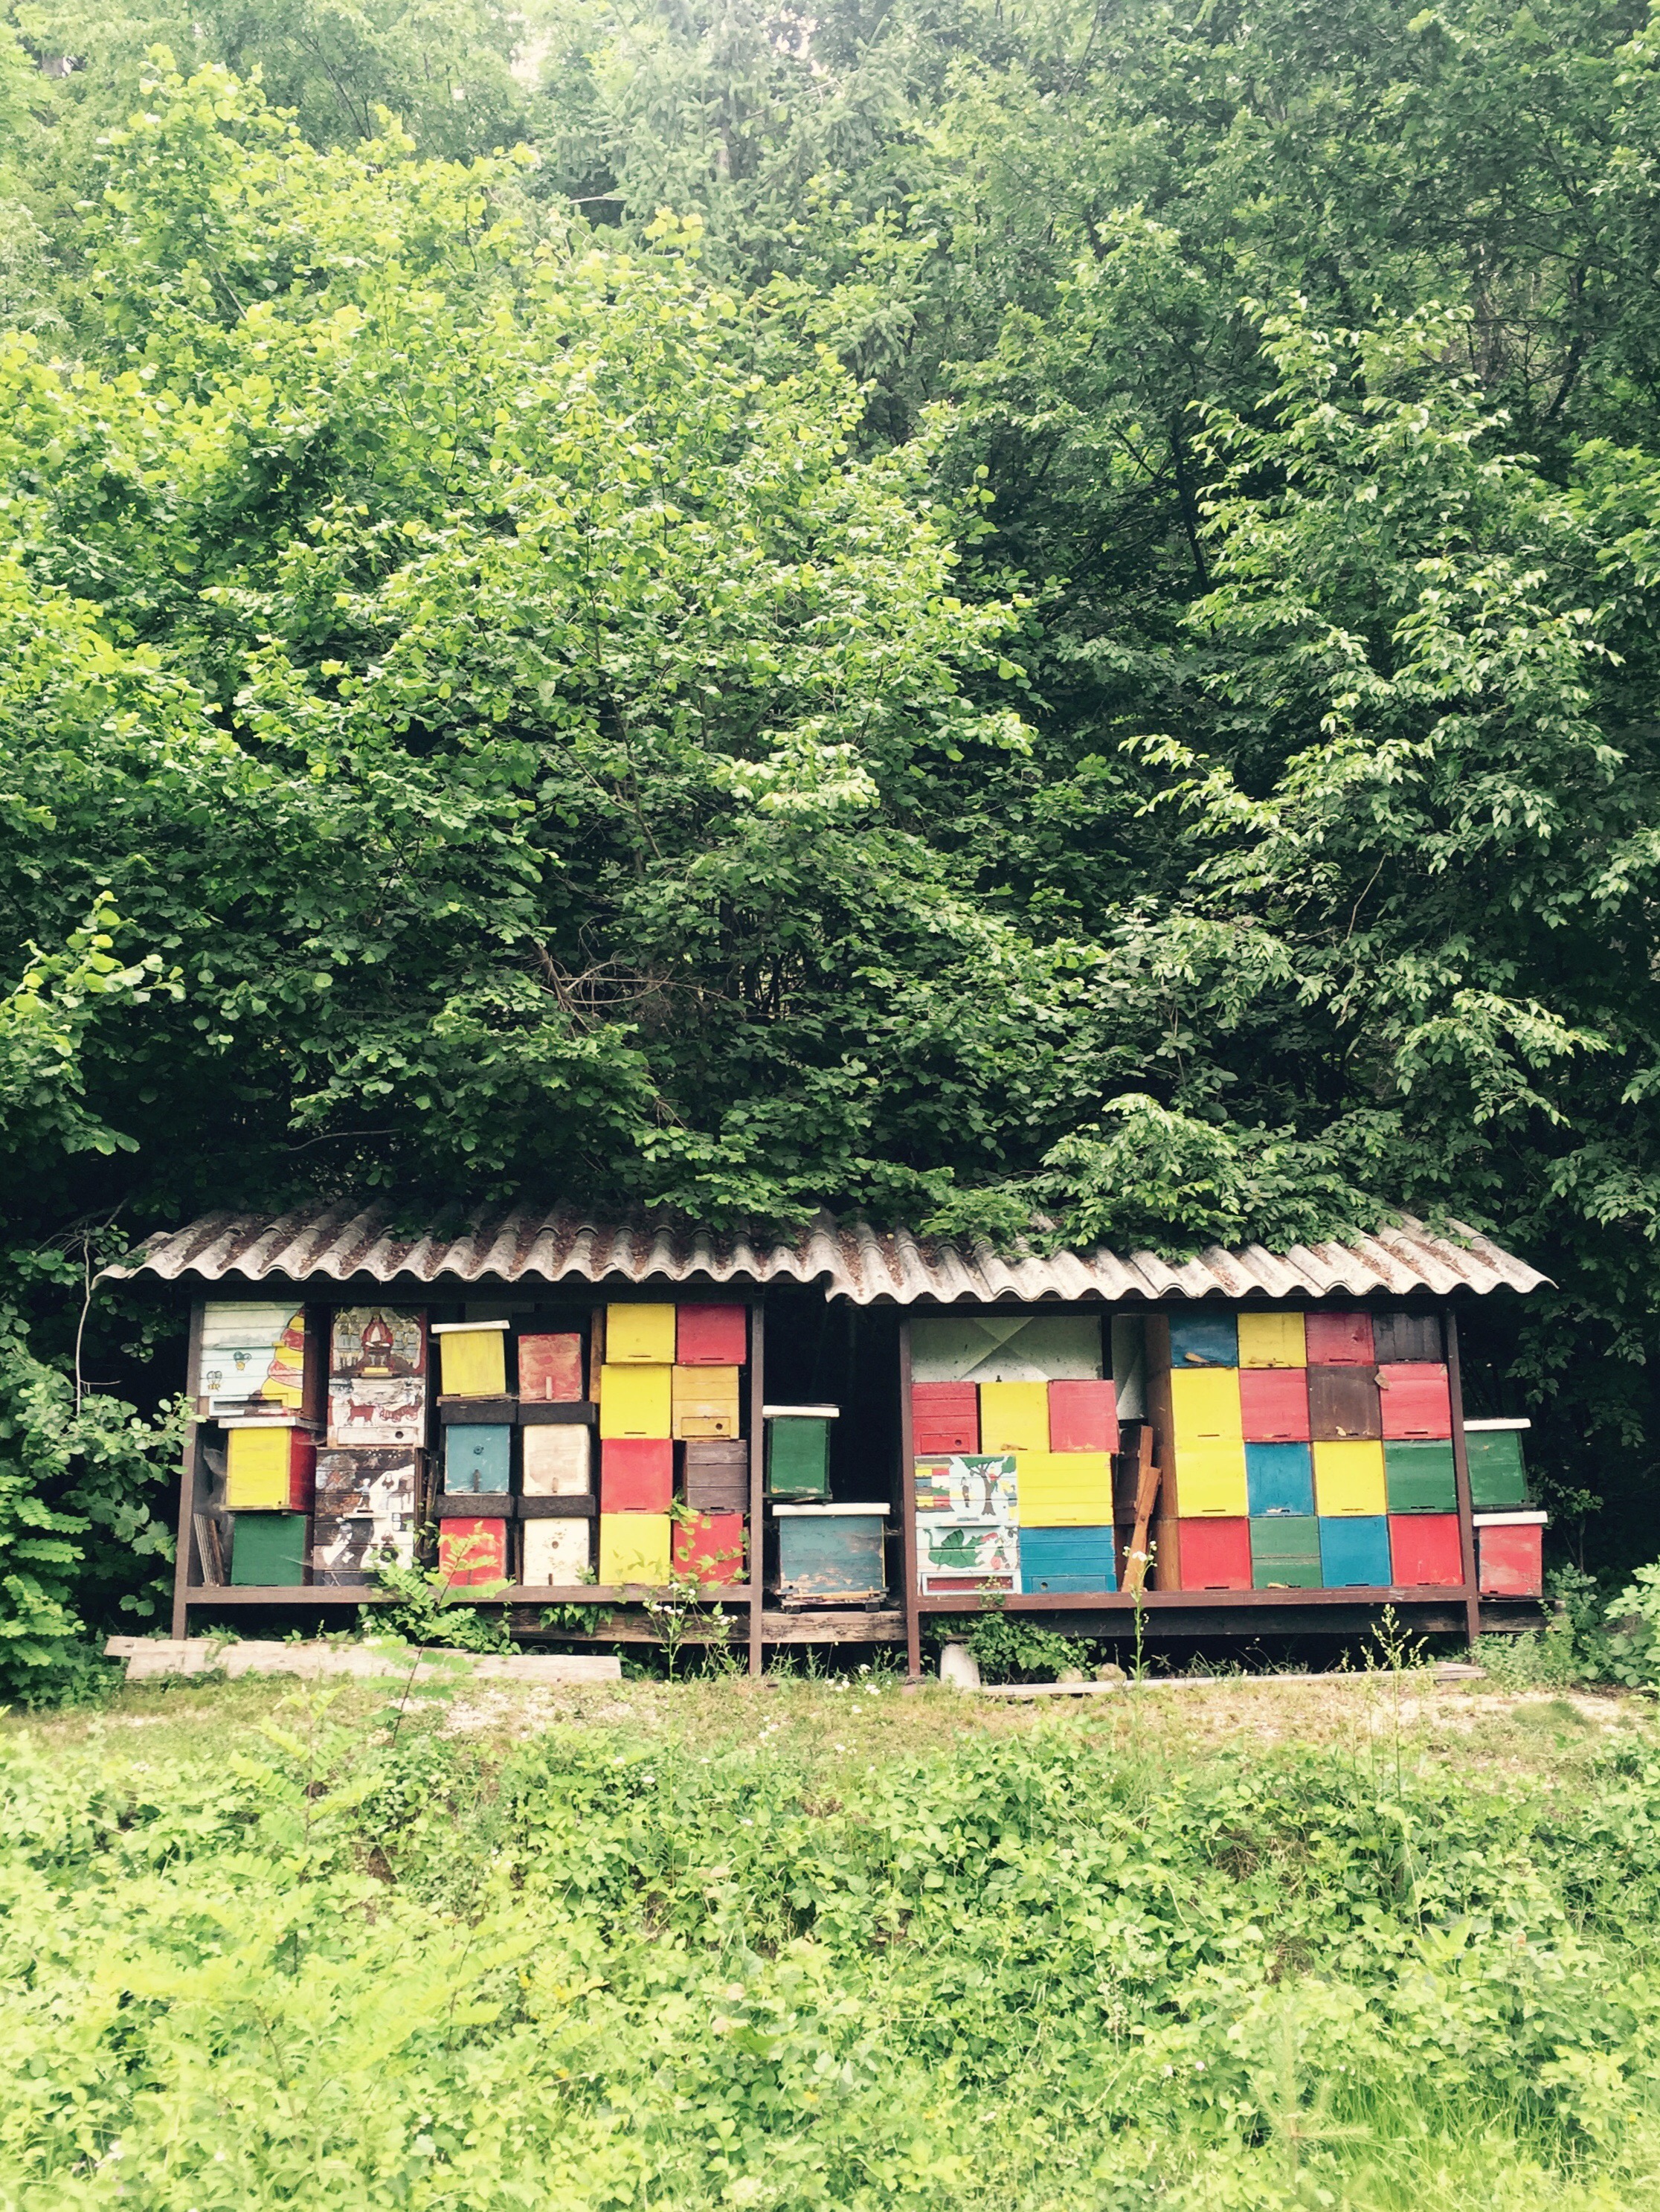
(520, 1244)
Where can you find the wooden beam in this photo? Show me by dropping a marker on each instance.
(1461, 1476)
(908, 1511)
(189, 1461)
(757, 1484)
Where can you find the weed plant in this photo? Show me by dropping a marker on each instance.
(361, 1964)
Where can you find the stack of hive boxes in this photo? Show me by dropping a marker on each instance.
(368, 1476)
(1509, 1538)
(1302, 1451)
(1013, 1485)
(555, 1447)
(485, 1411)
(672, 1375)
(258, 1379)
(478, 1412)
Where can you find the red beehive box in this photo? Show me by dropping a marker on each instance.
(1424, 1551)
(551, 1368)
(1083, 1417)
(636, 1474)
(710, 1336)
(945, 1417)
(1417, 1402)
(1274, 1405)
(1510, 1554)
(712, 1549)
(1339, 1339)
(472, 1552)
(1215, 1554)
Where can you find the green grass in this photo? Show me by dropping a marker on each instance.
(1326, 1944)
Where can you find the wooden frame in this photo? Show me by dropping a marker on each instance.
(757, 1484)
(1461, 1476)
(913, 1610)
(189, 1462)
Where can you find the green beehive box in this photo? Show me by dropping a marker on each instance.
(268, 1550)
(1498, 1478)
(1284, 1552)
(1420, 1478)
(798, 1451)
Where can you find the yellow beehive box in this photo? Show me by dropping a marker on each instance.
(1014, 1417)
(705, 1402)
(1272, 1339)
(1063, 1490)
(1210, 1478)
(637, 1401)
(473, 1362)
(1205, 1407)
(1348, 1478)
(634, 1547)
(267, 1470)
(640, 1336)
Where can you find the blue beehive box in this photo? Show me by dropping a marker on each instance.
(1354, 1549)
(1279, 1478)
(478, 1458)
(1060, 1559)
(1203, 1340)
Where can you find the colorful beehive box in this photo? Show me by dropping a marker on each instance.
(710, 1336)
(1060, 1489)
(269, 1468)
(971, 1487)
(798, 1451)
(377, 1344)
(637, 1475)
(831, 1554)
(1416, 1401)
(346, 1549)
(268, 1550)
(472, 1359)
(1272, 1339)
(366, 1413)
(636, 1400)
(472, 1551)
(710, 1548)
(557, 1554)
(1274, 1405)
(1343, 1405)
(1425, 1550)
(1211, 1480)
(1280, 1480)
(253, 1359)
(478, 1458)
(1406, 1336)
(1074, 1560)
(1014, 1417)
(945, 1417)
(717, 1475)
(1284, 1552)
(703, 1402)
(1205, 1407)
(634, 1548)
(1510, 1554)
(550, 1368)
(1355, 1552)
(640, 1336)
(1216, 1554)
(1203, 1340)
(1083, 1417)
(1338, 1338)
(556, 1460)
(957, 1555)
(1348, 1480)
(1493, 1451)
(1420, 1478)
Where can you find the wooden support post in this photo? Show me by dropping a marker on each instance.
(1146, 1495)
(908, 1509)
(757, 1481)
(1461, 1471)
(189, 1458)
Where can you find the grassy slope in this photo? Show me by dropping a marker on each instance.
(1355, 1942)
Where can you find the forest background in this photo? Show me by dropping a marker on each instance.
(1035, 618)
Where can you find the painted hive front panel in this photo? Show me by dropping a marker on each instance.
(1272, 1339)
(969, 1486)
(550, 1368)
(1355, 1552)
(634, 1547)
(478, 1458)
(268, 1550)
(1280, 1480)
(471, 1552)
(557, 1554)
(1406, 1336)
(637, 1475)
(955, 1555)
(1416, 1401)
(253, 1359)
(379, 1414)
(556, 1460)
(703, 1401)
(1083, 1417)
(945, 1417)
(1068, 1561)
(1216, 1555)
(1014, 1417)
(1343, 1404)
(637, 1401)
(798, 1458)
(473, 1362)
(1348, 1478)
(710, 1548)
(1498, 1478)
(1203, 1340)
(377, 1344)
(1420, 1478)
(835, 1555)
(711, 1336)
(1274, 1405)
(640, 1336)
(1211, 1480)
(1339, 1338)
(1059, 1489)
(1423, 1550)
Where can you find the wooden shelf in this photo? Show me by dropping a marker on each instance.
(1176, 1600)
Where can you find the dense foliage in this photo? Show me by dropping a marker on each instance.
(1021, 1971)
(1019, 618)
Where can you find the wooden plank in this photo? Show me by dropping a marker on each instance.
(1461, 1476)
(189, 1456)
(758, 1485)
(1147, 1479)
(908, 1545)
